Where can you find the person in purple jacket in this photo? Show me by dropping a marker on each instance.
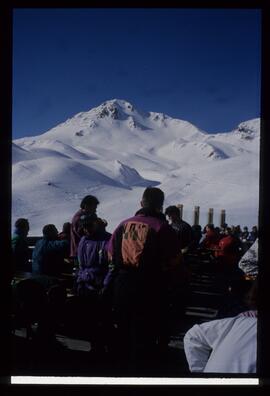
(88, 206)
(91, 281)
(144, 252)
(92, 256)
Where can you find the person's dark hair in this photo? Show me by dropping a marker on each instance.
(90, 224)
(102, 224)
(89, 200)
(172, 210)
(210, 226)
(87, 221)
(153, 198)
(50, 231)
(21, 223)
(66, 227)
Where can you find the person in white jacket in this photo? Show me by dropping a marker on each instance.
(225, 345)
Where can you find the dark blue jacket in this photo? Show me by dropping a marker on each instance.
(48, 256)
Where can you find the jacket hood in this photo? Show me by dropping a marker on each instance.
(150, 213)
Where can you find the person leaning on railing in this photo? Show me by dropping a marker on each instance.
(49, 253)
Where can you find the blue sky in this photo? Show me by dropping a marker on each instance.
(200, 65)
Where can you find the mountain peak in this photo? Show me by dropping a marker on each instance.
(124, 104)
(114, 108)
(249, 129)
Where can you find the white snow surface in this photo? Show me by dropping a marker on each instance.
(114, 151)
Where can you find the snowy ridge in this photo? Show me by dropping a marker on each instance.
(114, 151)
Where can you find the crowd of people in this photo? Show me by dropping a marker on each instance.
(128, 283)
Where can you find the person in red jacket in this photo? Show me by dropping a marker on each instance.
(228, 249)
(211, 239)
(228, 255)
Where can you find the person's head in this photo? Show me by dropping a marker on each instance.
(89, 204)
(102, 224)
(254, 229)
(90, 224)
(22, 226)
(173, 213)
(153, 198)
(228, 231)
(50, 231)
(66, 228)
(245, 229)
(209, 227)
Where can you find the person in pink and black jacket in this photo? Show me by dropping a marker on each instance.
(144, 259)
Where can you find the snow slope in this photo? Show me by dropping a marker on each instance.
(114, 151)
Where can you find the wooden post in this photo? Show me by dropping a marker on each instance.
(180, 207)
(210, 218)
(196, 215)
(222, 217)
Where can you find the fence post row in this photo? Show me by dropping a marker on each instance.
(210, 216)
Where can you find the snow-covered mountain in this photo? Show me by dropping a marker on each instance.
(114, 151)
